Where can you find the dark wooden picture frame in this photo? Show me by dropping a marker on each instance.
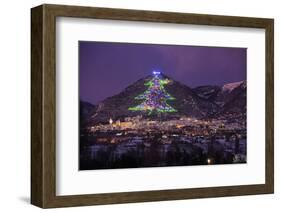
(43, 105)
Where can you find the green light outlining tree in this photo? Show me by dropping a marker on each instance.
(155, 97)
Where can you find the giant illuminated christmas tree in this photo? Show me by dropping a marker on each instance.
(155, 97)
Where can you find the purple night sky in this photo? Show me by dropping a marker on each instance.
(106, 68)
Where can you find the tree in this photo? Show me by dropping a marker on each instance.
(155, 97)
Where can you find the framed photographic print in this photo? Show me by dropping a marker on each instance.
(136, 106)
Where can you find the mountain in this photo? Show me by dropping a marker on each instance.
(207, 92)
(86, 110)
(188, 103)
(116, 107)
(200, 102)
(231, 98)
(235, 98)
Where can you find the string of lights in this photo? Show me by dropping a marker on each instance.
(155, 97)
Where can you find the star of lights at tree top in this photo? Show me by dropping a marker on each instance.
(155, 97)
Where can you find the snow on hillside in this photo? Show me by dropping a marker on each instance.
(231, 86)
